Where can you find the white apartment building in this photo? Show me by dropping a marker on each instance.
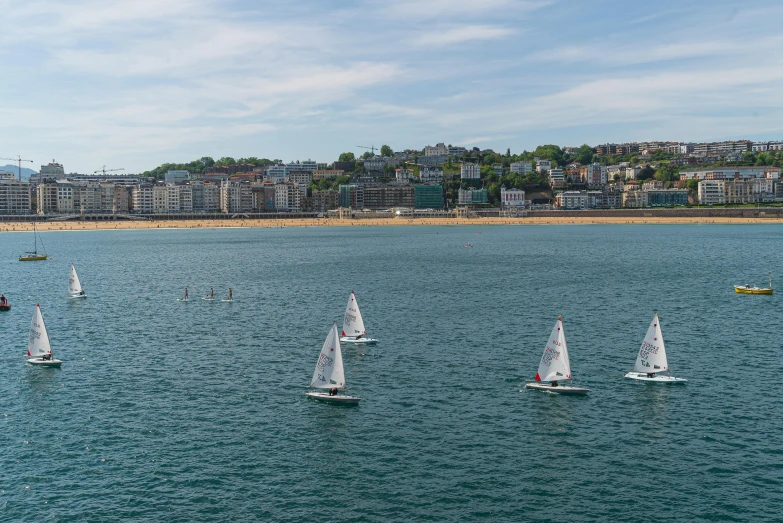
(403, 175)
(302, 177)
(141, 196)
(572, 200)
(730, 173)
(543, 165)
(511, 197)
(46, 198)
(205, 197)
(712, 192)
(438, 150)
(470, 171)
(556, 178)
(306, 165)
(159, 199)
(521, 168)
(172, 198)
(376, 163)
(14, 197)
(431, 174)
(65, 194)
(53, 170)
(277, 173)
(86, 197)
(288, 197)
(596, 174)
(236, 197)
(456, 151)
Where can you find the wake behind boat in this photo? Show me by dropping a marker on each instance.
(330, 374)
(74, 285)
(651, 359)
(353, 324)
(555, 366)
(38, 349)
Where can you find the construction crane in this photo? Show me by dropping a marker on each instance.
(104, 170)
(371, 148)
(20, 160)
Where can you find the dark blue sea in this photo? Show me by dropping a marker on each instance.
(169, 411)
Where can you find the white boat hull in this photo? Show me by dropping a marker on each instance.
(341, 399)
(77, 296)
(641, 376)
(44, 363)
(365, 341)
(560, 389)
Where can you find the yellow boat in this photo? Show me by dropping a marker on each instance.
(34, 256)
(747, 289)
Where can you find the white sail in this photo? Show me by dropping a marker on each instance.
(38, 342)
(652, 354)
(329, 372)
(74, 285)
(353, 324)
(554, 363)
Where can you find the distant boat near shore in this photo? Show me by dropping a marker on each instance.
(34, 255)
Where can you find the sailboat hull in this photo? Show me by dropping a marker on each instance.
(365, 341)
(325, 397)
(641, 376)
(6, 307)
(560, 389)
(751, 290)
(77, 296)
(33, 258)
(44, 363)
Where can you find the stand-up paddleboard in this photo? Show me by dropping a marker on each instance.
(38, 349)
(555, 365)
(651, 359)
(211, 296)
(353, 324)
(329, 373)
(74, 285)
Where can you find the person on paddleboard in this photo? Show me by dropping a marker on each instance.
(186, 293)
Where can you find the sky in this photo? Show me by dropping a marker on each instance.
(136, 84)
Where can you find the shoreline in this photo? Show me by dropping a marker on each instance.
(372, 222)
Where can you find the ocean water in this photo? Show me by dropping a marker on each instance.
(169, 411)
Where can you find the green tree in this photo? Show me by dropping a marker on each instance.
(646, 173)
(347, 157)
(367, 154)
(386, 151)
(584, 155)
(225, 161)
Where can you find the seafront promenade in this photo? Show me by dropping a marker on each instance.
(562, 219)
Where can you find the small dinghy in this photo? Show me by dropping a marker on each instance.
(555, 365)
(74, 285)
(329, 373)
(38, 349)
(353, 324)
(5, 305)
(652, 357)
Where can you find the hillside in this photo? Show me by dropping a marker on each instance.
(15, 169)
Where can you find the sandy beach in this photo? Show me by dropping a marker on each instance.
(369, 222)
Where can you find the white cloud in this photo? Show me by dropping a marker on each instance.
(460, 34)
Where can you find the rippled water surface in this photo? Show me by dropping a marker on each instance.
(176, 411)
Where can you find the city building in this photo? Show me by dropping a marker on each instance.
(403, 176)
(428, 197)
(325, 200)
(572, 200)
(305, 165)
(431, 174)
(388, 196)
(288, 197)
(439, 159)
(521, 168)
(730, 173)
(264, 195)
(470, 171)
(46, 198)
(65, 194)
(594, 174)
(438, 150)
(14, 196)
(722, 148)
(557, 178)
(712, 192)
(277, 173)
(497, 168)
(472, 196)
(511, 198)
(327, 174)
(543, 165)
(351, 196)
(666, 197)
(301, 177)
(456, 151)
(176, 176)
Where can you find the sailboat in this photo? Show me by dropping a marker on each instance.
(34, 256)
(652, 357)
(74, 285)
(38, 349)
(330, 374)
(555, 365)
(353, 324)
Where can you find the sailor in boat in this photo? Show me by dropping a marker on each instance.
(333, 391)
(747, 285)
(3, 300)
(46, 357)
(554, 383)
(650, 374)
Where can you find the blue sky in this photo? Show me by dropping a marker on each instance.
(136, 84)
